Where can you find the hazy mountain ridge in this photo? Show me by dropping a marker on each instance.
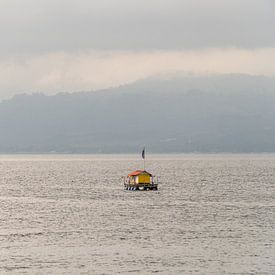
(229, 113)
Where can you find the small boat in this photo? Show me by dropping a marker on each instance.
(141, 180)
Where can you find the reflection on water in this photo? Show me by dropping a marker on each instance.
(213, 214)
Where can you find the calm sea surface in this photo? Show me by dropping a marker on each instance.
(69, 214)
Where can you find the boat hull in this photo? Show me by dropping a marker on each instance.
(141, 187)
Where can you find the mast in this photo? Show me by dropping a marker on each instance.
(143, 156)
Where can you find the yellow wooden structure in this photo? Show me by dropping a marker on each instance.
(140, 180)
(139, 177)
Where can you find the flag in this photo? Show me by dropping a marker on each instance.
(143, 153)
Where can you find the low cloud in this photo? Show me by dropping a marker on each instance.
(68, 72)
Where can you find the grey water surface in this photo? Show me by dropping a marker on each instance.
(69, 214)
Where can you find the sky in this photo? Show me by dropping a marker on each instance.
(53, 46)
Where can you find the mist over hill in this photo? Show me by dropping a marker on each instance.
(226, 113)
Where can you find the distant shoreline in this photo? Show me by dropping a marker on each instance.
(136, 154)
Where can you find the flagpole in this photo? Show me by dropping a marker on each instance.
(144, 164)
(143, 156)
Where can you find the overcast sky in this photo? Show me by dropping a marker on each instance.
(67, 45)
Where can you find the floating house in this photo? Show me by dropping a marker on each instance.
(140, 180)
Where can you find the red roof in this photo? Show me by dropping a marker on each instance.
(138, 172)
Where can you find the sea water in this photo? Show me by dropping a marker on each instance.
(69, 214)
